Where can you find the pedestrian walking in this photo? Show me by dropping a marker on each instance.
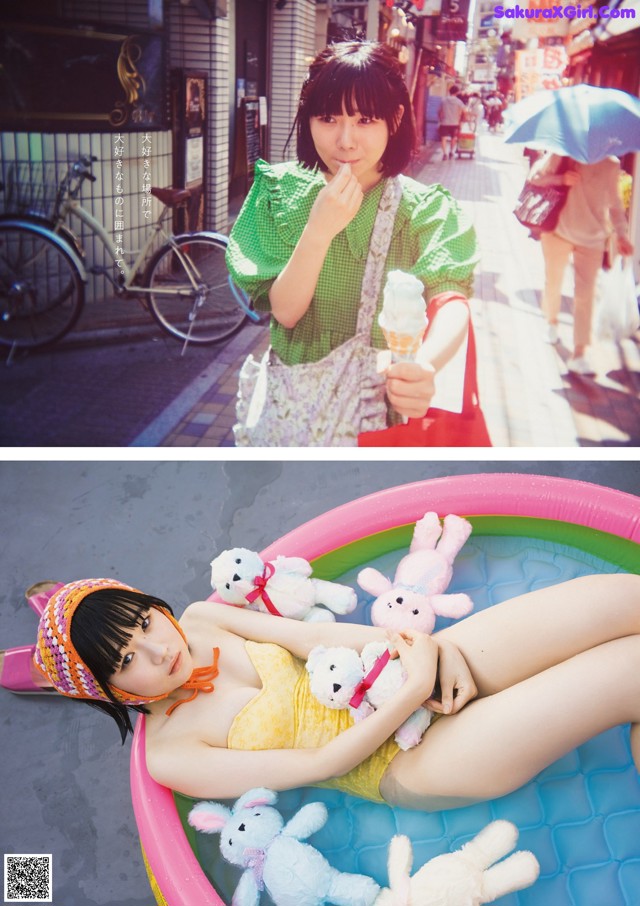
(474, 106)
(450, 115)
(592, 212)
(494, 106)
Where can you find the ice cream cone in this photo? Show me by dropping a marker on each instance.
(404, 346)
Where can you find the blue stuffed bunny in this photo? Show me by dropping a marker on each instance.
(254, 836)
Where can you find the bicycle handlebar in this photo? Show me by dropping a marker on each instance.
(82, 167)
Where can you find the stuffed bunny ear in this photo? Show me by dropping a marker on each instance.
(373, 581)
(209, 817)
(399, 862)
(257, 796)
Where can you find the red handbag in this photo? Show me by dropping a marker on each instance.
(439, 427)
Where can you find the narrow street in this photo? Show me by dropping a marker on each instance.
(131, 386)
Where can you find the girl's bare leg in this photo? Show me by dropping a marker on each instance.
(553, 668)
(511, 641)
(498, 743)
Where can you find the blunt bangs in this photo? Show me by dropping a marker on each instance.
(103, 624)
(344, 87)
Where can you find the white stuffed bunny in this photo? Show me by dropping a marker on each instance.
(416, 595)
(341, 678)
(254, 836)
(467, 877)
(283, 586)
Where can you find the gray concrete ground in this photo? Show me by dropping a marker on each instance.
(64, 775)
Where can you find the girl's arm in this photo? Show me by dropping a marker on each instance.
(335, 207)
(618, 217)
(296, 636)
(457, 684)
(445, 335)
(411, 385)
(202, 771)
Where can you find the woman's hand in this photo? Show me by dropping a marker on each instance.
(570, 178)
(418, 653)
(337, 204)
(410, 387)
(454, 678)
(624, 246)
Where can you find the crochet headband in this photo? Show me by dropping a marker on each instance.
(56, 658)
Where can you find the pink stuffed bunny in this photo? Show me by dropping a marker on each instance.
(416, 595)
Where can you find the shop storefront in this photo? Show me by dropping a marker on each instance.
(206, 86)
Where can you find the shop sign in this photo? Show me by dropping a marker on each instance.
(453, 20)
(539, 69)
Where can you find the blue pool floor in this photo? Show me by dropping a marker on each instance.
(580, 817)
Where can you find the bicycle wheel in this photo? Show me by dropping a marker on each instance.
(41, 291)
(207, 314)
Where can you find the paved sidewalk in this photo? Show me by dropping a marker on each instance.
(528, 396)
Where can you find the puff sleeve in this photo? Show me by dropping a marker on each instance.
(446, 246)
(269, 226)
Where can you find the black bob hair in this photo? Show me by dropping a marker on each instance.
(361, 76)
(101, 628)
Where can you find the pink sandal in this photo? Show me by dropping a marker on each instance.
(17, 674)
(38, 595)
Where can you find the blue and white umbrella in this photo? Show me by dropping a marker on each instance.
(581, 121)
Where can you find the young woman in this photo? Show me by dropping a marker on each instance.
(592, 211)
(300, 245)
(228, 704)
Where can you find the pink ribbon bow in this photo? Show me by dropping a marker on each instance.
(365, 684)
(260, 589)
(255, 861)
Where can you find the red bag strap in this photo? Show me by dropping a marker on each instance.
(470, 395)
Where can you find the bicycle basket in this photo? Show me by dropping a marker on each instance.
(31, 187)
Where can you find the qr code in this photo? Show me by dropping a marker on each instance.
(27, 878)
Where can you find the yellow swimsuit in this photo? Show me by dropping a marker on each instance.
(285, 715)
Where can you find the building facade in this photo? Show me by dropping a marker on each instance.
(223, 75)
(183, 93)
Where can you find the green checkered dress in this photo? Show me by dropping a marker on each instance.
(432, 239)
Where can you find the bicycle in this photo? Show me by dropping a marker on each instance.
(185, 285)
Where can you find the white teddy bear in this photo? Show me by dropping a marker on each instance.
(254, 836)
(466, 877)
(283, 586)
(341, 678)
(416, 595)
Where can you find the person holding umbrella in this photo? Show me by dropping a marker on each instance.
(581, 127)
(592, 209)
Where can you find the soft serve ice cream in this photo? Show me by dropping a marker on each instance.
(403, 318)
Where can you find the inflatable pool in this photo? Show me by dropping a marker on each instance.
(581, 816)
